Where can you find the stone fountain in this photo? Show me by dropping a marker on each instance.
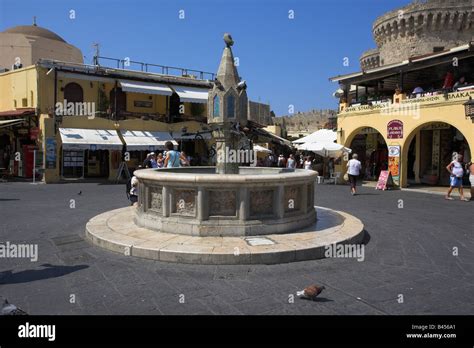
(234, 212)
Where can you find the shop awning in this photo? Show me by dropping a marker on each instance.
(146, 141)
(90, 139)
(191, 94)
(18, 112)
(145, 87)
(6, 123)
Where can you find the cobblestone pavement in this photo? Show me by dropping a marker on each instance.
(410, 255)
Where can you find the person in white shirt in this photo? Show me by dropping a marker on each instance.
(308, 164)
(353, 171)
(134, 191)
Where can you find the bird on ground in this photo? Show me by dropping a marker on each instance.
(11, 309)
(310, 292)
(79, 193)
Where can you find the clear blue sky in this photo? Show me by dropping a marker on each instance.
(284, 61)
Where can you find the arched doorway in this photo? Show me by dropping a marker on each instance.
(429, 149)
(370, 145)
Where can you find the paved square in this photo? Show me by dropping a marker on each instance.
(410, 257)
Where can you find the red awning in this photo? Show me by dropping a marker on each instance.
(18, 112)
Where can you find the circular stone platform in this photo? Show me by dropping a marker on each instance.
(116, 231)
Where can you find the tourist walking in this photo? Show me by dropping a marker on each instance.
(291, 163)
(173, 158)
(456, 172)
(470, 170)
(353, 171)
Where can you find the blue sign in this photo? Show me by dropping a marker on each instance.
(50, 153)
(151, 148)
(93, 147)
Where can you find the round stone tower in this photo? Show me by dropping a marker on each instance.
(419, 28)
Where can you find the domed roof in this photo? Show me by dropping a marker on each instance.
(34, 30)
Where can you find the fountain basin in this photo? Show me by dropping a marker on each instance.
(196, 201)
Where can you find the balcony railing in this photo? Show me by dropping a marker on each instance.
(154, 68)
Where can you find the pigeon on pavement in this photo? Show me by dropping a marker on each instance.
(310, 292)
(11, 309)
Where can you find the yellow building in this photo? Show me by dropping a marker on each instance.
(81, 121)
(409, 117)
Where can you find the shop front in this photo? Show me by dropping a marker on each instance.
(18, 150)
(88, 153)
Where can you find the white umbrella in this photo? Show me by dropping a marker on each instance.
(326, 149)
(259, 148)
(320, 136)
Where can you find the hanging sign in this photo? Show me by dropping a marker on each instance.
(395, 129)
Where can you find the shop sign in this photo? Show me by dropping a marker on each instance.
(22, 131)
(385, 180)
(394, 163)
(50, 153)
(436, 125)
(395, 129)
(143, 104)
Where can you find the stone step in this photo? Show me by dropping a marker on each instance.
(115, 231)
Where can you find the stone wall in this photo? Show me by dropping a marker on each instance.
(259, 112)
(305, 123)
(423, 27)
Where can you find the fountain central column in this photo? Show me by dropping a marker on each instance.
(227, 111)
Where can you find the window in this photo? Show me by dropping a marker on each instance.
(24, 102)
(216, 102)
(73, 93)
(230, 104)
(31, 99)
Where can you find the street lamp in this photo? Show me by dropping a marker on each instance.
(469, 108)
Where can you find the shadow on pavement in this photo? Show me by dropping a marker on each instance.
(318, 299)
(51, 271)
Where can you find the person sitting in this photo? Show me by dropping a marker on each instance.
(417, 91)
(460, 83)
